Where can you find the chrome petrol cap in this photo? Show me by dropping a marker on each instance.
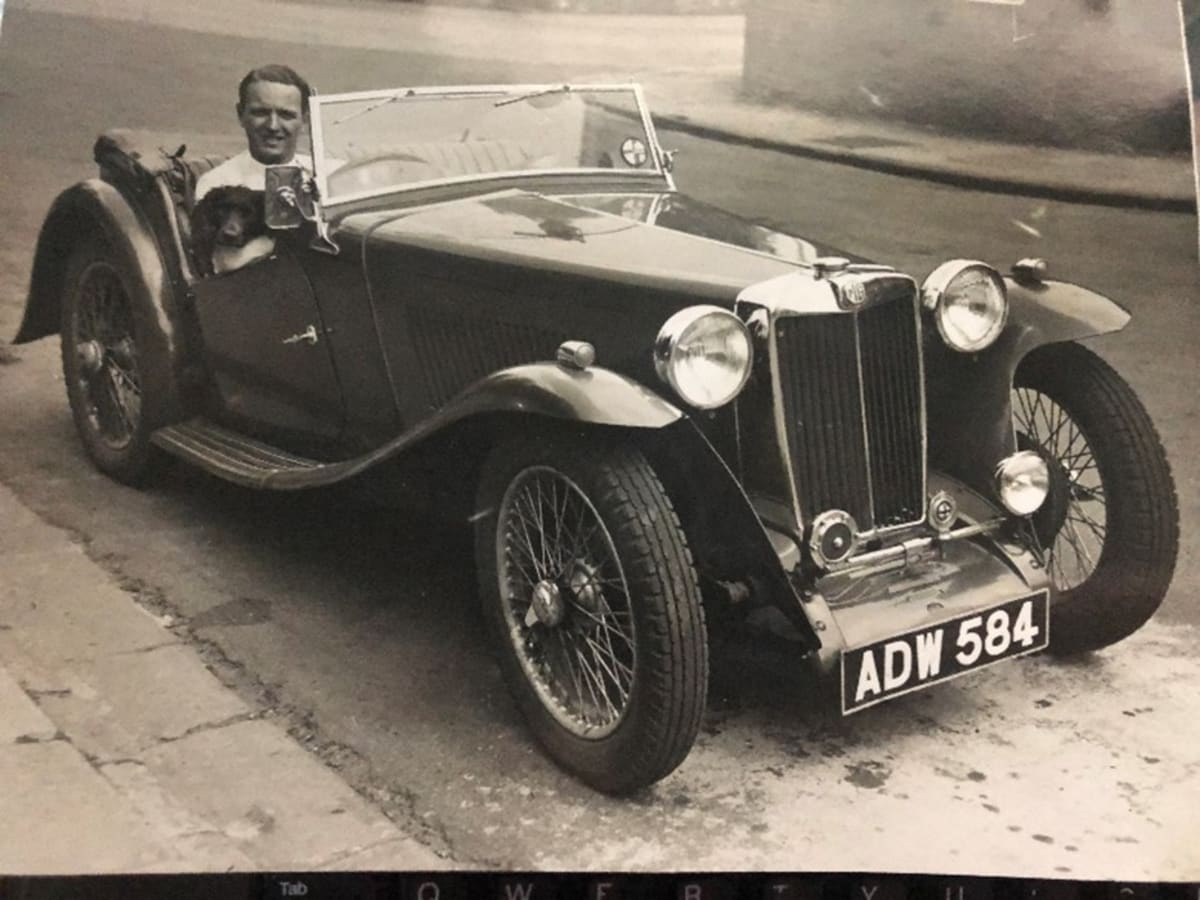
(828, 265)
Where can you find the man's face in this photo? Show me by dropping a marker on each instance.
(272, 116)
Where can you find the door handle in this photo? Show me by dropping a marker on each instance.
(307, 336)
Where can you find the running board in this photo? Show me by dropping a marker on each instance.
(242, 460)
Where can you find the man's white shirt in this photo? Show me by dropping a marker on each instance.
(243, 170)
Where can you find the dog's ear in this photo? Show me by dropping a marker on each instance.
(204, 232)
(258, 200)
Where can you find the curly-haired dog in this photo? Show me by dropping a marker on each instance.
(229, 229)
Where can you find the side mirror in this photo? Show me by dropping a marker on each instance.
(289, 197)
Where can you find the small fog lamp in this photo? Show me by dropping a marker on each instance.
(1023, 481)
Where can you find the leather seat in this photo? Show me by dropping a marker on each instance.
(180, 179)
(127, 156)
(474, 157)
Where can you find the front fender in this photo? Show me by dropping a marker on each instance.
(969, 396)
(725, 534)
(594, 396)
(96, 210)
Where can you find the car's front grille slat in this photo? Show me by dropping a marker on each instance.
(889, 344)
(822, 406)
(851, 396)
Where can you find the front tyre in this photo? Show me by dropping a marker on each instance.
(592, 601)
(1112, 560)
(105, 365)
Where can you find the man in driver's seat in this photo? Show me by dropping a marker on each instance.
(272, 108)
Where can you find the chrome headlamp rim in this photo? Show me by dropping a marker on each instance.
(938, 284)
(672, 334)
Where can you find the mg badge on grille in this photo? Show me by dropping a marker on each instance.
(852, 292)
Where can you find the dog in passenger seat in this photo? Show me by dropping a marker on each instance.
(229, 229)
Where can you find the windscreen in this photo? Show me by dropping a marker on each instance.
(374, 143)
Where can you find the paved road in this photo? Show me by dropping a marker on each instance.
(360, 626)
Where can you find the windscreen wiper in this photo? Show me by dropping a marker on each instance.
(374, 106)
(558, 89)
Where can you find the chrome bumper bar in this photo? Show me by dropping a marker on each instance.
(908, 552)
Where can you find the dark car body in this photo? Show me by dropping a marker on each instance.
(403, 334)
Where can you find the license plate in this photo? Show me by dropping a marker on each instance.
(924, 656)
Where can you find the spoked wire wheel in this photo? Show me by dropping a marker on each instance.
(1075, 551)
(1112, 557)
(106, 366)
(107, 376)
(566, 602)
(593, 605)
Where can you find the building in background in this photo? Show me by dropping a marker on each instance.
(1105, 75)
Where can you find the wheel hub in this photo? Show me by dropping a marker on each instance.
(581, 579)
(547, 603)
(123, 352)
(91, 357)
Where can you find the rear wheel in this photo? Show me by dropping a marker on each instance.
(104, 365)
(1112, 559)
(592, 600)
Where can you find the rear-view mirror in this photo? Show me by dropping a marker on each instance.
(289, 199)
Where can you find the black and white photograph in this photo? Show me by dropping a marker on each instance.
(599, 437)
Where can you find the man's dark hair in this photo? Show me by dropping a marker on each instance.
(279, 75)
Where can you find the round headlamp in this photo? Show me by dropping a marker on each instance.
(1023, 482)
(704, 353)
(969, 303)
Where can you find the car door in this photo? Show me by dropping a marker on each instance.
(267, 352)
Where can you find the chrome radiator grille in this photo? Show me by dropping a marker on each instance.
(852, 407)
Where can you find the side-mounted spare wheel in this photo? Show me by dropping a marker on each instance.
(592, 600)
(109, 369)
(1112, 559)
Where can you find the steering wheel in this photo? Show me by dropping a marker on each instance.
(381, 171)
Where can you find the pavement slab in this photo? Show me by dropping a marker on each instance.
(196, 841)
(22, 721)
(121, 752)
(64, 612)
(57, 816)
(283, 807)
(396, 855)
(147, 698)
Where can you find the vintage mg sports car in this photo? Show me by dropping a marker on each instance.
(657, 416)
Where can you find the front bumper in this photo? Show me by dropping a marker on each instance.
(920, 581)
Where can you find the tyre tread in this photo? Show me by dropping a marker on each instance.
(670, 698)
(1139, 555)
